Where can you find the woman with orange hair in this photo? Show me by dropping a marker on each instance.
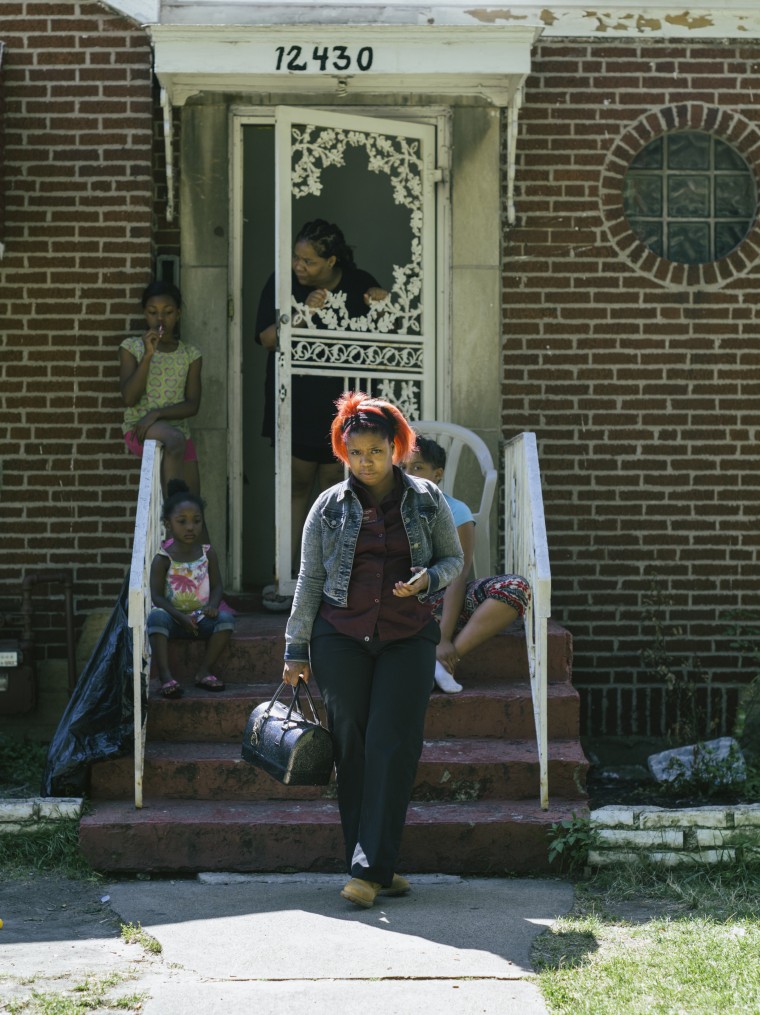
(375, 547)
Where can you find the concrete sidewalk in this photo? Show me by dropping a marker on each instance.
(291, 944)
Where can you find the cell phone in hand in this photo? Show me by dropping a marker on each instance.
(416, 577)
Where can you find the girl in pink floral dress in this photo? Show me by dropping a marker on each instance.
(186, 588)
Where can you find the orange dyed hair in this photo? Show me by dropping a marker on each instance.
(358, 413)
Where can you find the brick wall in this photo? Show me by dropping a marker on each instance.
(79, 199)
(641, 382)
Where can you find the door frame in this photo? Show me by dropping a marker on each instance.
(240, 116)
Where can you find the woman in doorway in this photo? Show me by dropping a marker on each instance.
(330, 287)
(375, 548)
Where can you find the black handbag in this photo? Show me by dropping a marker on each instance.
(280, 739)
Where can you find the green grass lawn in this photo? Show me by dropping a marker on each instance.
(646, 942)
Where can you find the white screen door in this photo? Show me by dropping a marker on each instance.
(380, 175)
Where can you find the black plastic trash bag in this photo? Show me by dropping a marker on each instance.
(98, 721)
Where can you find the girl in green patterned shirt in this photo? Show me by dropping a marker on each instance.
(160, 380)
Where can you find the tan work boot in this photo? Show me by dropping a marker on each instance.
(360, 892)
(399, 886)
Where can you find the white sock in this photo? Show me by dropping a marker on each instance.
(445, 680)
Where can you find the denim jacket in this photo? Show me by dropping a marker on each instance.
(329, 541)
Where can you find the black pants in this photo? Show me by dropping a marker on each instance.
(376, 694)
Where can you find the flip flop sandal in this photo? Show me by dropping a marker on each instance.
(170, 689)
(210, 683)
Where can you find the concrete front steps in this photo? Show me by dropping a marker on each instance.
(474, 807)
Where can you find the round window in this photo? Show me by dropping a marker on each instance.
(689, 197)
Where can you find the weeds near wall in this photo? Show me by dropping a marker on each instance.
(570, 843)
(743, 628)
(708, 775)
(744, 631)
(681, 677)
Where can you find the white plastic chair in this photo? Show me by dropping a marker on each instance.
(453, 439)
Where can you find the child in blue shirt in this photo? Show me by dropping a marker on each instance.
(468, 612)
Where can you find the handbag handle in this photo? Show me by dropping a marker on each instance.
(302, 685)
(295, 703)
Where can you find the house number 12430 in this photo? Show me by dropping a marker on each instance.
(323, 58)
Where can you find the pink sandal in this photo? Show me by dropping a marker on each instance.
(210, 683)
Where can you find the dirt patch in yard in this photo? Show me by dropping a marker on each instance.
(60, 933)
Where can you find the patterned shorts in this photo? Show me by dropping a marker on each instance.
(506, 588)
(163, 623)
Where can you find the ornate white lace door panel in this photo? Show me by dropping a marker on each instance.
(375, 179)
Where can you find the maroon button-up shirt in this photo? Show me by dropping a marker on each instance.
(381, 559)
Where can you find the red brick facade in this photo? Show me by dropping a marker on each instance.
(78, 250)
(638, 376)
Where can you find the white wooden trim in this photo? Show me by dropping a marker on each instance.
(283, 417)
(166, 107)
(702, 19)
(459, 62)
(235, 359)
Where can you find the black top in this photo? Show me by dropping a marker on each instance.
(313, 398)
(381, 558)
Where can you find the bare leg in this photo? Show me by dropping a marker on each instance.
(490, 617)
(159, 646)
(173, 465)
(215, 646)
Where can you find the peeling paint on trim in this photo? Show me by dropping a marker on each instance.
(692, 23)
(662, 20)
(566, 18)
(489, 16)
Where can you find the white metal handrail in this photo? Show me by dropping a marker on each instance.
(526, 552)
(145, 546)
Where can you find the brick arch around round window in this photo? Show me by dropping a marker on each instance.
(727, 126)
